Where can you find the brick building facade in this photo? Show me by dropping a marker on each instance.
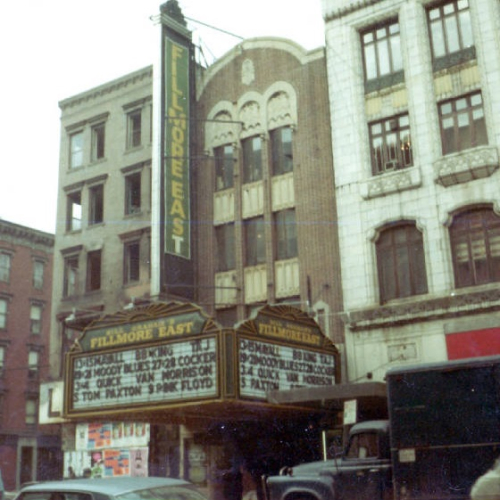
(264, 185)
(27, 451)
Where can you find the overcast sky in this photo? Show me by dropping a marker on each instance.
(54, 49)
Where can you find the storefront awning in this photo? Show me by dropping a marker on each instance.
(371, 397)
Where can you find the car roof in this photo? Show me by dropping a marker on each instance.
(108, 486)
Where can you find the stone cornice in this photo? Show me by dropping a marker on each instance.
(348, 9)
(115, 85)
(23, 234)
(421, 310)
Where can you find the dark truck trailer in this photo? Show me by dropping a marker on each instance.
(445, 426)
(443, 433)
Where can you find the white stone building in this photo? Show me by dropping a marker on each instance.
(415, 114)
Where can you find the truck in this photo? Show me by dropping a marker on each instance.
(443, 432)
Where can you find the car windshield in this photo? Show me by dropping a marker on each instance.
(163, 493)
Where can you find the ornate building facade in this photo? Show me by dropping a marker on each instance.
(415, 133)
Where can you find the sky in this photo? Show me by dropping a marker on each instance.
(55, 49)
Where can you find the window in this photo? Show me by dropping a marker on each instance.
(224, 236)
(33, 361)
(475, 246)
(94, 271)
(74, 211)
(132, 254)
(133, 193)
(36, 318)
(38, 270)
(382, 53)
(98, 135)
(401, 262)
(286, 234)
(363, 445)
(281, 150)
(5, 264)
(134, 128)
(3, 313)
(462, 123)
(224, 166)
(2, 360)
(255, 242)
(70, 285)
(390, 144)
(31, 411)
(96, 204)
(450, 28)
(252, 159)
(76, 150)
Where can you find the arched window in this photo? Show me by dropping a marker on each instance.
(401, 262)
(475, 247)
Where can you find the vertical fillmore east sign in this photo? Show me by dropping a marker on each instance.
(176, 127)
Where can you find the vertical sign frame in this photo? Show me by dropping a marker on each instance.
(177, 199)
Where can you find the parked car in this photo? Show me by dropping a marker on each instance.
(116, 488)
(487, 487)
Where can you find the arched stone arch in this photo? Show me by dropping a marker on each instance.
(281, 105)
(222, 127)
(251, 114)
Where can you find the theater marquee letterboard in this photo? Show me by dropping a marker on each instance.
(266, 366)
(174, 371)
(170, 355)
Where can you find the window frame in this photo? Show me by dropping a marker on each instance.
(286, 241)
(98, 144)
(463, 228)
(396, 157)
(281, 150)
(477, 130)
(252, 159)
(131, 274)
(3, 351)
(133, 194)
(70, 276)
(224, 158)
(4, 313)
(31, 411)
(401, 266)
(36, 322)
(225, 244)
(33, 367)
(387, 43)
(96, 204)
(38, 276)
(73, 223)
(76, 149)
(93, 279)
(5, 266)
(440, 36)
(134, 129)
(255, 241)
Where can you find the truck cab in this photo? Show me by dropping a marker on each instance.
(363, 472)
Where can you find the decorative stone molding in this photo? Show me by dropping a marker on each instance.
(250, 116)
(279, 110)
(22, 235)
(141, 76)
(247, 72)
(394, 182)
(466, 166)
(466, 303)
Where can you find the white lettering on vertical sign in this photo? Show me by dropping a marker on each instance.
(167, 372)
(265, 367)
